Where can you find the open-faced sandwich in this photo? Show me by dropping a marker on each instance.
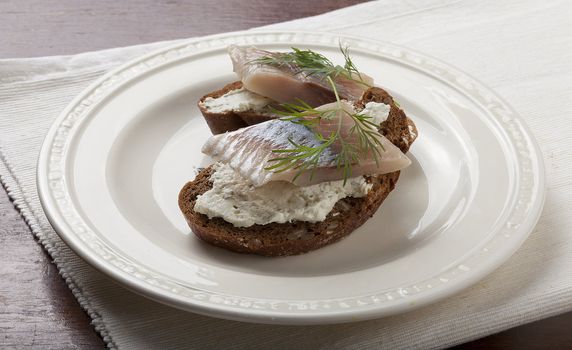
(306, 152)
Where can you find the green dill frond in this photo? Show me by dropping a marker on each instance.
(313, 63)
(304, 158)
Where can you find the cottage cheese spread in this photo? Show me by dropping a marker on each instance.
(239, 100)
(235, 200)
(377, 111)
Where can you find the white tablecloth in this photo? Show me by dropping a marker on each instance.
(522, 49)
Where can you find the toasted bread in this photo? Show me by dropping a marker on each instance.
(230, 119)
(281, 239)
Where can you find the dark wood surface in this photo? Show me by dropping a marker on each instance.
(37, 310)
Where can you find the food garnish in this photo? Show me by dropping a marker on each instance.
(350, 152)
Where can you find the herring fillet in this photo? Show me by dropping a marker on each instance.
(287, 83)
(248, 151)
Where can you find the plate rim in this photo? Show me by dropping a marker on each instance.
(249, 313)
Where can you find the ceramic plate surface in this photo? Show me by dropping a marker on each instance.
(112, 165)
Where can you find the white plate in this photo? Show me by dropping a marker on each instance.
(112, 165)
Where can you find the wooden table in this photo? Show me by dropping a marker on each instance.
(37, 310)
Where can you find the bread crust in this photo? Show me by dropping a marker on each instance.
(297, 237)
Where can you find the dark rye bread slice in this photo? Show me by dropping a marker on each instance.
(300, 237)
(230, 120)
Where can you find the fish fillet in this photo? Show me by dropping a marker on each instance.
(249, 150)
(288, 83)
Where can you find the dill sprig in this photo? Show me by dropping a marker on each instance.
(304, 158)
(314, 63)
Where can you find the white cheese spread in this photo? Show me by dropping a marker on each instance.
(239, 100)
(238, 202)
(377, 111)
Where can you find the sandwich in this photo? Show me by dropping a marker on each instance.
(306, 151)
